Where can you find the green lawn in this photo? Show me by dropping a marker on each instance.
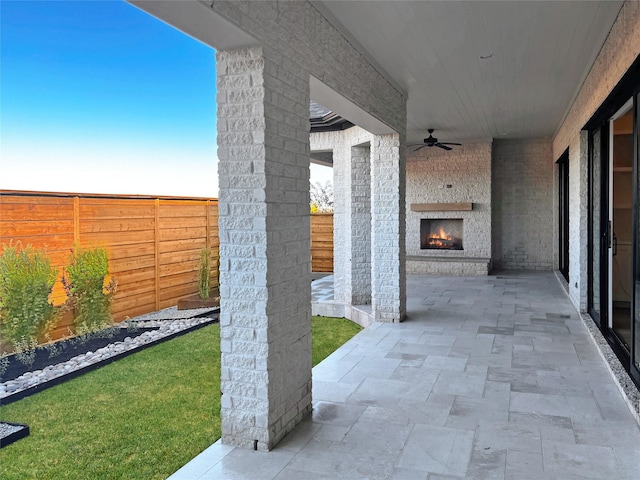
(142, 417)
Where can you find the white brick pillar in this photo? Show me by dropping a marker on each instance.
(388, 186)
(360, 225)
(352, 224)
(265, 290)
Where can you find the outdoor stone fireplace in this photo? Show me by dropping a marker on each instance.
(441, 234)
(448, 226)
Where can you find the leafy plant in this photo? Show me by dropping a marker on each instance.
(204, 287)
(4, 364)
(26, 350)
(89, 288)
(26, 281)
(52, 347)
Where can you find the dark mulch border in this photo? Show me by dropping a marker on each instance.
(76, 373)
(15, 436)
(64, 350)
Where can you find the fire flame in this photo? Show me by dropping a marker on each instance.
(441, 235)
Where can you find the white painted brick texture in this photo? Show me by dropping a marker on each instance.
(264, 248)
(523, 205)
(468, 170)
(263, 131)
(388, 187)
(620, 49)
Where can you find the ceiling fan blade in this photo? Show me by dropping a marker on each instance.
(449, 143)
(415, 144)
(443, 146)
(421, 147)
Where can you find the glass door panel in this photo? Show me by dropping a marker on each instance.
(621, 188)
(595, 225)
(636, 242)
(563, 215)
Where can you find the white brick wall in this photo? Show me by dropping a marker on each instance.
(263, 132)
(468, 170)
(264, 248)
(352, 212)
(523, 228)
(388, 267)
(295, 32)
(618, 52)
(369, 185)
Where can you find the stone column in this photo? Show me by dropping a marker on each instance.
(388, 186)
(265, 319)
(352, 224)
(360, 225)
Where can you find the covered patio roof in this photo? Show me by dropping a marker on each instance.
(470, 69)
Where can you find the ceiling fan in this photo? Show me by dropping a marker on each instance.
(432, 141)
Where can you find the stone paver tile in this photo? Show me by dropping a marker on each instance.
(487, 464)
(333, 413)
(606, 433)
(469, 383)
(295, 474)
(202, 463)
(379, 435)
(628, 461)
(466, 412)
(583, 460)
(408, 474)
(331, 433)
(416, 374)
(554, 405)
(442, 362)
(438, 450)
(610, 403)
(343, 460)
(332, 391)
(258, 466)
(387, 393)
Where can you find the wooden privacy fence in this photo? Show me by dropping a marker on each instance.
(154, 244)
(322, 242)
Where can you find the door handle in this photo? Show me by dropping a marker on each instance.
(615, 245)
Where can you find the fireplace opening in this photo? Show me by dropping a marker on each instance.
(441, 234)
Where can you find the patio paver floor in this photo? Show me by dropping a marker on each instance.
(488, 378)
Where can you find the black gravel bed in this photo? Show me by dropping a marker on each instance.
(64, 350)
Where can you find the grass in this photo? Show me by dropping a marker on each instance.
(142, 417)
(328, 334)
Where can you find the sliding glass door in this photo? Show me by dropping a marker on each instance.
(563, 215)
(614, 230)
(635, 305)
(598, 224)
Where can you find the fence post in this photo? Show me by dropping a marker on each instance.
(156, 239)
(76, 220)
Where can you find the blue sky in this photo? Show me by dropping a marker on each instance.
(97, 96)
(100, 97)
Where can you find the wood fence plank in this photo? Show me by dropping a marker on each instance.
(153, 244)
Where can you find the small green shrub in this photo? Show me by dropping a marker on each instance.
(205, 273)
(26, 281)
(87, 292)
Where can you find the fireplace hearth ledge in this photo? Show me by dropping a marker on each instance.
(447, 265)
(442, 258)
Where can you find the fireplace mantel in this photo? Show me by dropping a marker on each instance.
(441, 207)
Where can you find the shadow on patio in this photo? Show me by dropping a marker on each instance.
(489, 378)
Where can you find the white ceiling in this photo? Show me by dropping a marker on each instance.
(430, 50)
